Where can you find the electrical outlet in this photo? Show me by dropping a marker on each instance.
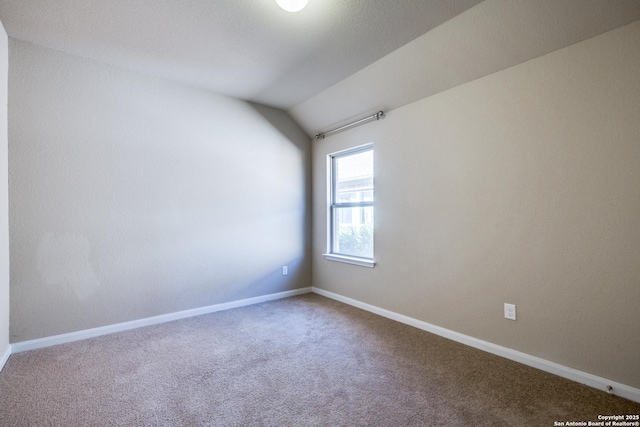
(285, 270)
(509, 311)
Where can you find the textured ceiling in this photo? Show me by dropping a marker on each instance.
(334, 61)
(248, 49)
(492, 36)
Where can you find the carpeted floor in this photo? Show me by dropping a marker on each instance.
(302, 361)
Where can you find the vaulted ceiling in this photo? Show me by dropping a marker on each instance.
(330, 62)
(248, 49)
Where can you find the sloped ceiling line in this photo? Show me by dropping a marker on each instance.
(334, 60)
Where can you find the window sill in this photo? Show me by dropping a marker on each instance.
(363, 262)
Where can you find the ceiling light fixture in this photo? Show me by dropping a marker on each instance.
(292, 5)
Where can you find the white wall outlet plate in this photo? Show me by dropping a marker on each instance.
(509, 311)
(285, 270)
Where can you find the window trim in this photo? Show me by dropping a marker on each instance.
(331, 208)
(363, 262)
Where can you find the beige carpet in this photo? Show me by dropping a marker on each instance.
(301, 361)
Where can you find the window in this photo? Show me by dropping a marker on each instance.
(350, 236)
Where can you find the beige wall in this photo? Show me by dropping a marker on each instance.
(132, 197)
(520, 187)
(4, 198)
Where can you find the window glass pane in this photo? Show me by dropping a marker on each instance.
(354, 178)
(353, 231)
(352, 183)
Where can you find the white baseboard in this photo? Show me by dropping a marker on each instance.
(594, 381)
(5, 357)
(119, 327)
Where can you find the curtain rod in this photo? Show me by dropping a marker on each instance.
(375, 116)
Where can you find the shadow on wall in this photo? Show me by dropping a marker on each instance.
(292, 132)
(133, 196)
(281, 121)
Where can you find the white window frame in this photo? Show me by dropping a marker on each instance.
(332, 205)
